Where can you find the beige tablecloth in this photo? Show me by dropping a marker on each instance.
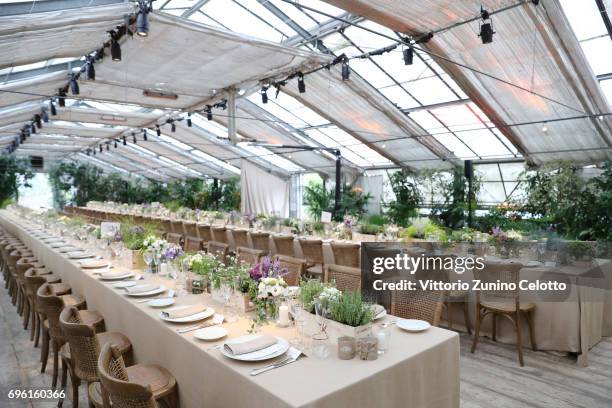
(420, 370)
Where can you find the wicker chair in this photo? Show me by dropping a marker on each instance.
(346, 254)
(205, 234)
(347, 279)
(261, 241)
(219, 249)
(295, 269)
(219, 234)
(167, 226)
(503, 303)
(248, 256)
(138, 386)
(176, 227)
(173, 238)
(51, 305)
(192, 241)
(14, 291)
(241, 238)
(85, 345)
(23, 307)
(284, 245)
(313, 253)
(34, 278)
(422, 305)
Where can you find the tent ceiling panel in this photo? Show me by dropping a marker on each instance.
(201, 61)
(30, 38)
(58, 128)
(16, 115)
(358, 109)
(36, 88)
(128, 119)
(534, 48)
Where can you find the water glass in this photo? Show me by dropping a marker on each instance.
(383, 334)
(320, 346)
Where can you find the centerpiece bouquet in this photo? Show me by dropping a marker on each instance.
(504, 241)
(266, 287)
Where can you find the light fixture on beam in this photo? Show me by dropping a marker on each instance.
(90, 70)
(74, 85)
(209, 114)
(142, 20)
(52, 107)
(124, 140)
(115, 48)
(45, 116)
(62, 97)
(157, 130)
(486, 27)
(301, 83)
(346, 70)
(408, 55)
(158, 93)
(144, 134)
(189, 119)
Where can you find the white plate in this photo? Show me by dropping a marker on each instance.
(126, 284)
(188, 319)
(58, 244)
(94, 264)
(210, 333)
(79, 255)
(273, 351)
(65, 249)
(161, 289)
(162, 302)
(120, 277)
(413, 325)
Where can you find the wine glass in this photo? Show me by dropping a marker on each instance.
(299, 317)
(321, 311)
(227, 289)
(148, 257)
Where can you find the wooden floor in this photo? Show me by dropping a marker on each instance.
(489, 378)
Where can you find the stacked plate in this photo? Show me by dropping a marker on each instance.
(113, 276)
(79, 255)
(187, 319)
(278, 349)
(145, 289)
(413, 325)
(94, 264)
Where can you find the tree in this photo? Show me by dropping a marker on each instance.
(14, 173)
(407, 197)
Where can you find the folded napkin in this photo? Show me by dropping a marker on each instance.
(184, 312)
(377, 309)
(112, 275)
(258, 343)
(142, 288)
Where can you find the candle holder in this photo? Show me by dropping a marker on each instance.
(346, 348)
(368, 348)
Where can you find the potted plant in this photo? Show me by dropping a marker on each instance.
(581, 252)
(368, 232)
(133, 237)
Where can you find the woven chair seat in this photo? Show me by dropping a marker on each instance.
(507, 306)
(89, 317)
(51, 278)
(160, 379)
(115, 338)
(456, 294)
(315, 270)
(60, 289)
(73, 300)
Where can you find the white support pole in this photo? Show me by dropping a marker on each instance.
(231, 121)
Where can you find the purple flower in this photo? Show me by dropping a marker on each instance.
(172, 252)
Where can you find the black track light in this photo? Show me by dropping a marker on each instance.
(134, 138)
(486, 27)
(173, 127)
(144, 134)
(264, 94)
(115, 49)
(142, 21)
(62, 97)
(100, 148)
(346, 70)
(74, 85)
(88, 152)
(301, 83)
(209, 115)
(91, 71)
(94, 151)
(408, 56)
(38, 121)
(115, 143)
(157, 130)
(189, 119)
(53, 109)
(32, 129)
(124, 140)
(107, 146)
(45, 116)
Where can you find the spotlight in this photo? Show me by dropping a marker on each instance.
(384, 146)
(91, 71)
(45, 116)
(157, 130)
(544, 129)
(115, 49)
(173, 126)
(408, 56)
(115, 143)
(107, 146)
(144, 134)
(62, 97)
(189, 119)
(94, 151)
(88, 152)
(301, 83)
(264, 94)
(32, 129)
(100, 148)
(134, 138)
(38, 121)
(74, 85)
(142, 22)
(486, 27)
(53, 109)
(124, 140)
(346, 71)
(209, 113)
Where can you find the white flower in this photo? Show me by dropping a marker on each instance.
(276, 290)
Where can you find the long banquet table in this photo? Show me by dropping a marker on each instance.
(418, 370)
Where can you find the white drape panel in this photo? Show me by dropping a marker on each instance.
(373, 185)
(262, 192)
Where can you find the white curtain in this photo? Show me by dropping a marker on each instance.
(373, 185)
(262, 192)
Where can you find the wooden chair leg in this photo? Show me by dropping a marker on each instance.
(466, 316)
(63, 382)
(55, 363)
(494, 333)
(476, 330)
(519, 342)
(32, 323)
(26, 313)
(530, 320)
(44, 351)
(75, 382)
(37, 329)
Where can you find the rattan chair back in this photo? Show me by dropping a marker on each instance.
(284, 245)
(294, 269)
(261, 241)
(248, 256)
(417, 304)
(346, 278)
(346, 254)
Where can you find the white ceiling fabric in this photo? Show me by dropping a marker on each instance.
(533, 47)
(29, 38)
(128, 119)
(359, 110)
(36, 88)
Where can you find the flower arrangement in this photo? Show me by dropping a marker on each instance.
(270, 288)
(503, 240)
(172, 252)
(153, 243)
(266, 268)
(329, 294)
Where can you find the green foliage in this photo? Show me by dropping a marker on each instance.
(133, 235)
(310, 290)
(317, 199)
(377, 219)
(579, 249)
(453, 211)
(14, 173)
(407, 197)
(353, 202)
(370, 229)
(6, 202)
(351, 309)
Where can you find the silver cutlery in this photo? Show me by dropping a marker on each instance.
(293, 355)
(218, 346)
(387, 324)
(216, 320)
